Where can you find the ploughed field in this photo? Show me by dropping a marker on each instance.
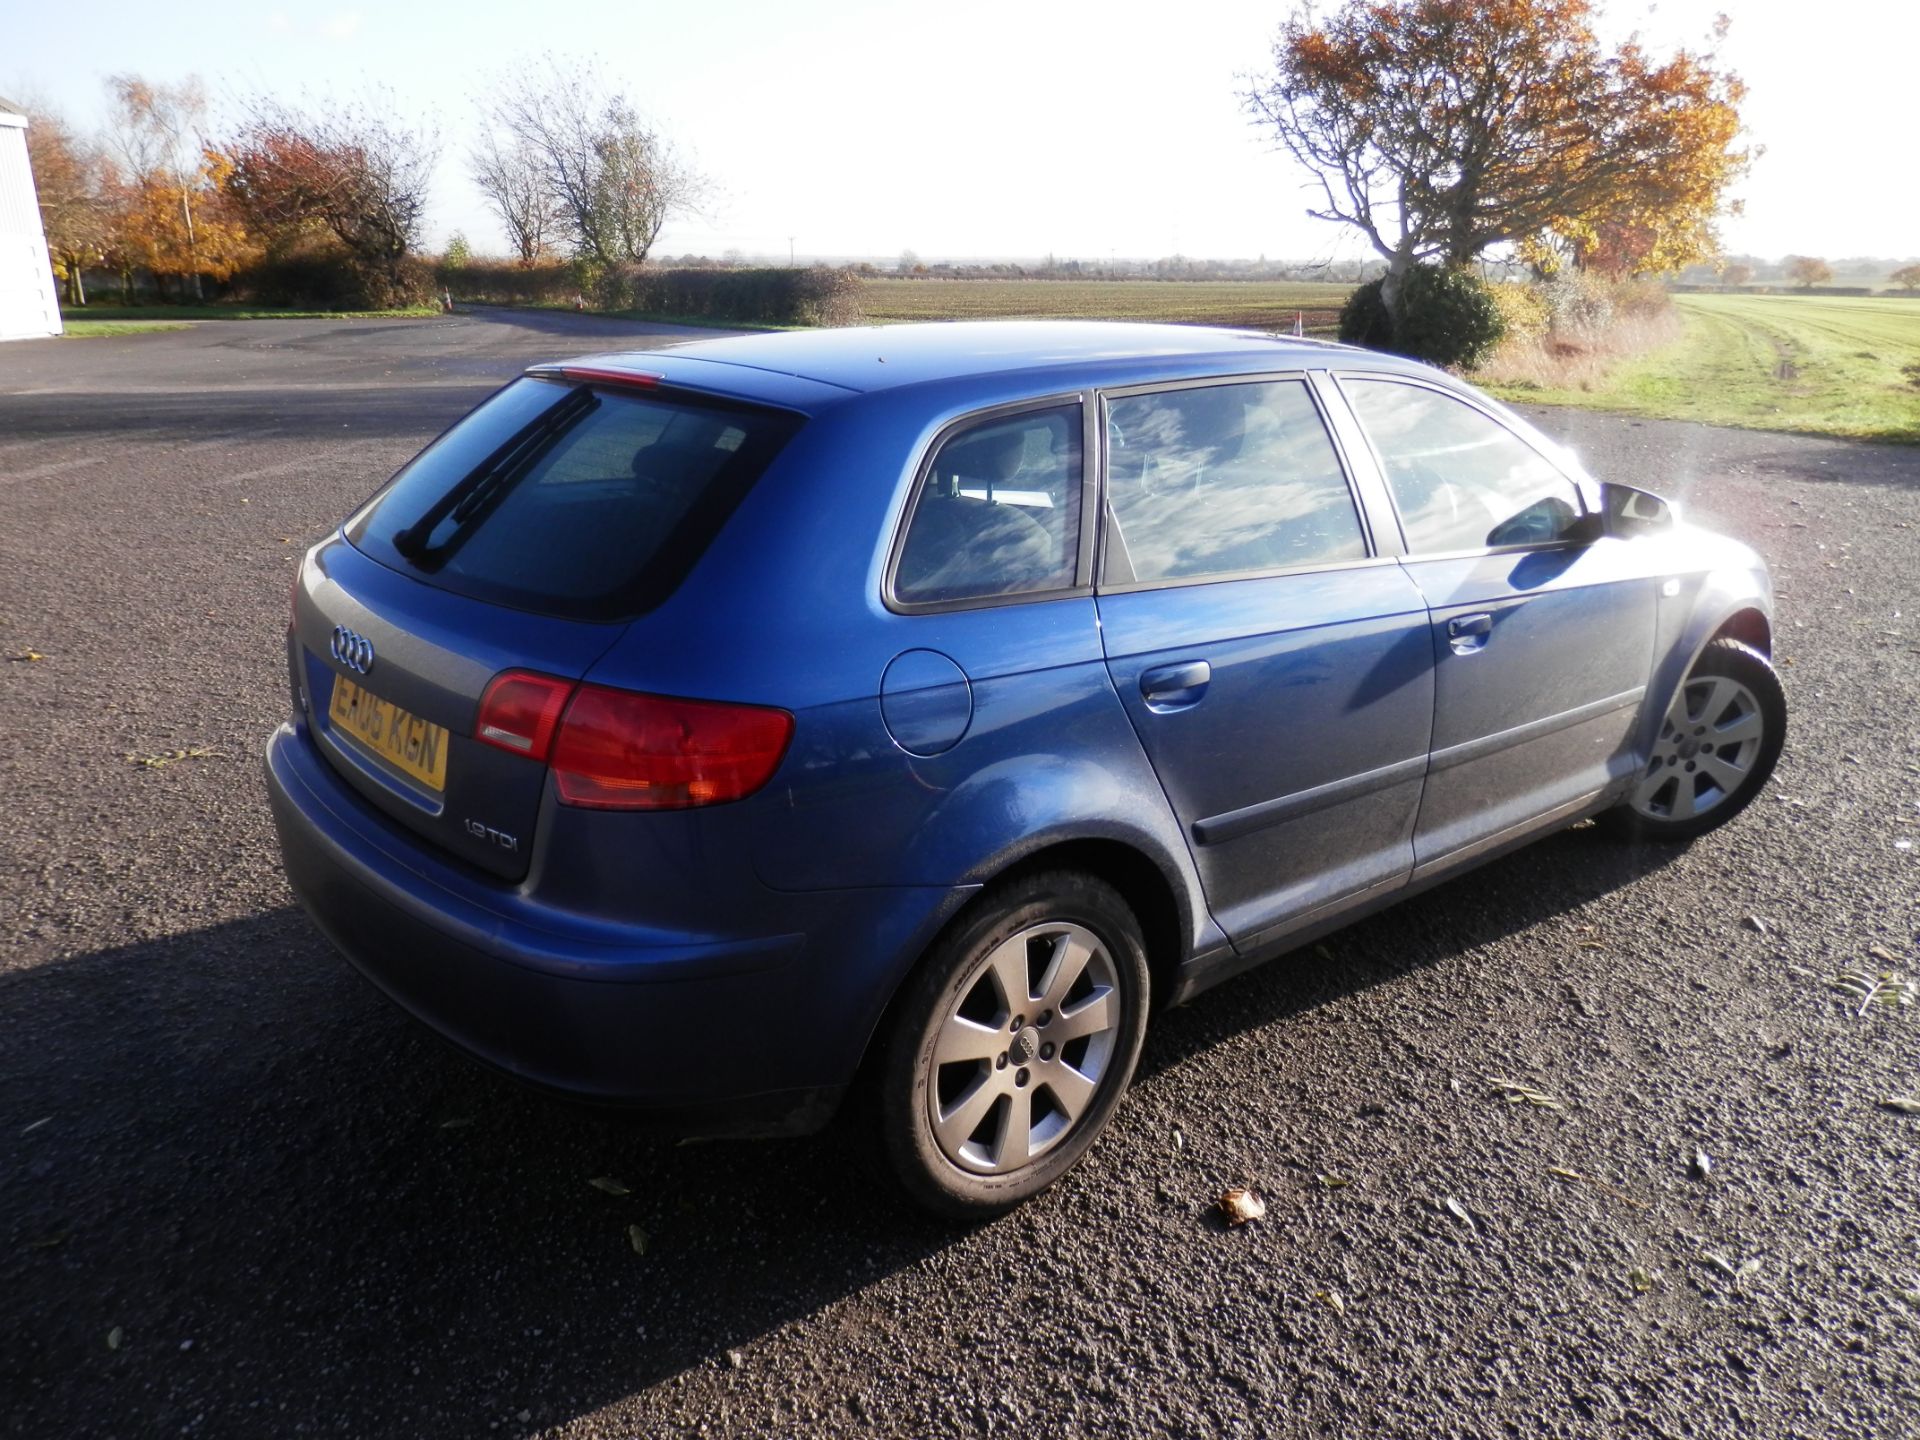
(1257, 304)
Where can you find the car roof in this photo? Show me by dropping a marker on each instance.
(880, 357)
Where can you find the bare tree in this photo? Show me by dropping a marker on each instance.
(614, 180)
(510, 177)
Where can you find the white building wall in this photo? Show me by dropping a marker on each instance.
(29, 305)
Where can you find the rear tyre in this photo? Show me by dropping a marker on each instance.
(1717, 745)
(1014, 1042)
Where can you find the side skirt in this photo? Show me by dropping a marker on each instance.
(1204, 972)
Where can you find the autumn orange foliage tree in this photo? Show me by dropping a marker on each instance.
(163, 186)
(1439, 129)
(1808, 271)
(351, 174)
(67, 177)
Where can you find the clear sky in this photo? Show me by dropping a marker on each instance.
(986, 129)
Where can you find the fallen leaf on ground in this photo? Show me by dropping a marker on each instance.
(1334, 1182)
(637, 1238)
(26, 657)
(1727, 1268)
(1640, 1279)
(168, 757)
(610, 1185)
(1594, 1180)
(1459, 1212)
(1513, 1092)
(1905, 1104)
(1886, 989)
(1331, 1299)
(459, 1122)
(1755, 923)
(114, 1336)
(1240, 1205)
(1702, 1165)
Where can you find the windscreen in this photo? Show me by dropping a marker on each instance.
(578, 501)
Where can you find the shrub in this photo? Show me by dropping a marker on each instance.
(502, 282)
(1447, 317)
(1364, 319)
(815, 296)
(1641, 299)
(1523, 310)
(1580, 301)
(319, 275)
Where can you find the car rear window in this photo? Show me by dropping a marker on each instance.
(580, 501)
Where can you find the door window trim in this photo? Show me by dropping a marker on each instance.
(1472, 402)
(923, 467)
(1156, 387)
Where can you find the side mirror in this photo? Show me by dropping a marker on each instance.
(1627, 512)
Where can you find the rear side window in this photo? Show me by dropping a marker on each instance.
(1460, 480)
(570, 500)
(1222, 479)
(998, 512)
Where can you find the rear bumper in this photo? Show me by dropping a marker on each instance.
(755, 1033)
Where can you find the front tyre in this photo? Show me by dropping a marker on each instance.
(1014, 1043)
(1717, 745)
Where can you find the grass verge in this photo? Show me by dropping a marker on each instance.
(233, 312)
(94, 329)
(1819, 365)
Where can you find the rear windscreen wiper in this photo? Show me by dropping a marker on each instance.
(508, 462)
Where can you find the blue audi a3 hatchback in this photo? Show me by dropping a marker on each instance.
(711, 728)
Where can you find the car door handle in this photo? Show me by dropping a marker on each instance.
(1468, 633)
(1175, 687)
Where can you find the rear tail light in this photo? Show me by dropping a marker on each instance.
(520, 710)
(622, 751)
(619, 750)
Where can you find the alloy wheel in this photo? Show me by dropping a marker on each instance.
(1708, 744)
(1021, 1055)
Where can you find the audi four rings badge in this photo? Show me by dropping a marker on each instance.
(351, 650)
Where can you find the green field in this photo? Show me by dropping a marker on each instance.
(1260, 304)
(1826, 365)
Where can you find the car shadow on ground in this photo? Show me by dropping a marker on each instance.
(271, 1183)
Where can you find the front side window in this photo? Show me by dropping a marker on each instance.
(998, 512)
(1221, 479)
(1460, 480)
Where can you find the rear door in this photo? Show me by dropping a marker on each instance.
(1542, 634)
(1275, 667)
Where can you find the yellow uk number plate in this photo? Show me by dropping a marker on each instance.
(406, 742)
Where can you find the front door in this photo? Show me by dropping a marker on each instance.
(1278, 675)
(1542, 636)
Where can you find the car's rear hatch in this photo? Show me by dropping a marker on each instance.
(526, 538)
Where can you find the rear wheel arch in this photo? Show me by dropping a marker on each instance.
(1151, 893)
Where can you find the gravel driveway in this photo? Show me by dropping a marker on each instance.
(241, 1195)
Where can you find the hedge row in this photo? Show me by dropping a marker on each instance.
(814, 296)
